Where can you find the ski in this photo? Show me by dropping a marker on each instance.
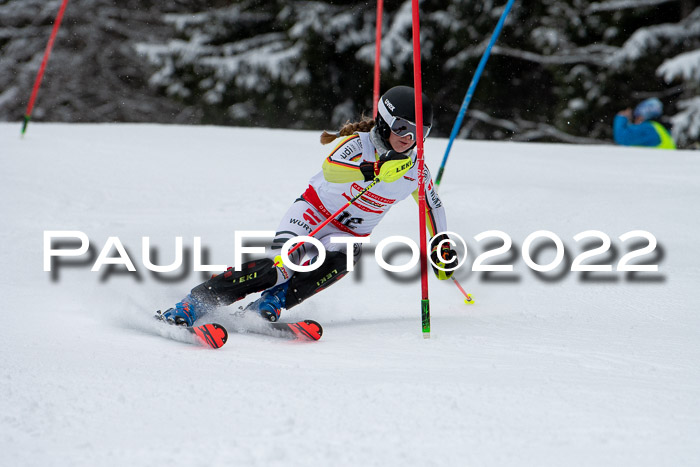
(306, 330)
(246, 320)
(211, 335)
(214, 335)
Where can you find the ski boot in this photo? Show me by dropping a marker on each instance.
(185, 313)
(271, 303)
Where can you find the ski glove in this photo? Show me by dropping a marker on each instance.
(444, 256)
(389, 168)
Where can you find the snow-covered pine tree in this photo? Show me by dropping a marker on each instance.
(560, 70)
(684, 69)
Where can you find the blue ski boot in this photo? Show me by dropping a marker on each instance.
(185, 313)
(271, 303)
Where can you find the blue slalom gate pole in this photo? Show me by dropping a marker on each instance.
(472, 86)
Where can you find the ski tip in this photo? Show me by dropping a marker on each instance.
(307, 330)
(211, 335)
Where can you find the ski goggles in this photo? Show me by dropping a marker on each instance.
(400, 126)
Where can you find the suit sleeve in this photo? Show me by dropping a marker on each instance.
(435, 217)
(343, 163)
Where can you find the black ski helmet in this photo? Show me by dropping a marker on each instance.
(397, 104)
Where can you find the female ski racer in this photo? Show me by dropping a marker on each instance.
(382, 148)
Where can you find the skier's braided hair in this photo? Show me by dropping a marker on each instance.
(348, 129)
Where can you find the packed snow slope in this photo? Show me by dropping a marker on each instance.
(546, 369)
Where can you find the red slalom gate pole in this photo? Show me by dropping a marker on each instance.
(40, 75)
(417, 85)
(377, 55)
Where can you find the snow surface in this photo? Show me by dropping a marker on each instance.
(561, 368)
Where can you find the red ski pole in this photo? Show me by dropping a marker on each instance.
(40, 75)
(337, 213)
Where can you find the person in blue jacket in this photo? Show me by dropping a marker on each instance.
(639, 128)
